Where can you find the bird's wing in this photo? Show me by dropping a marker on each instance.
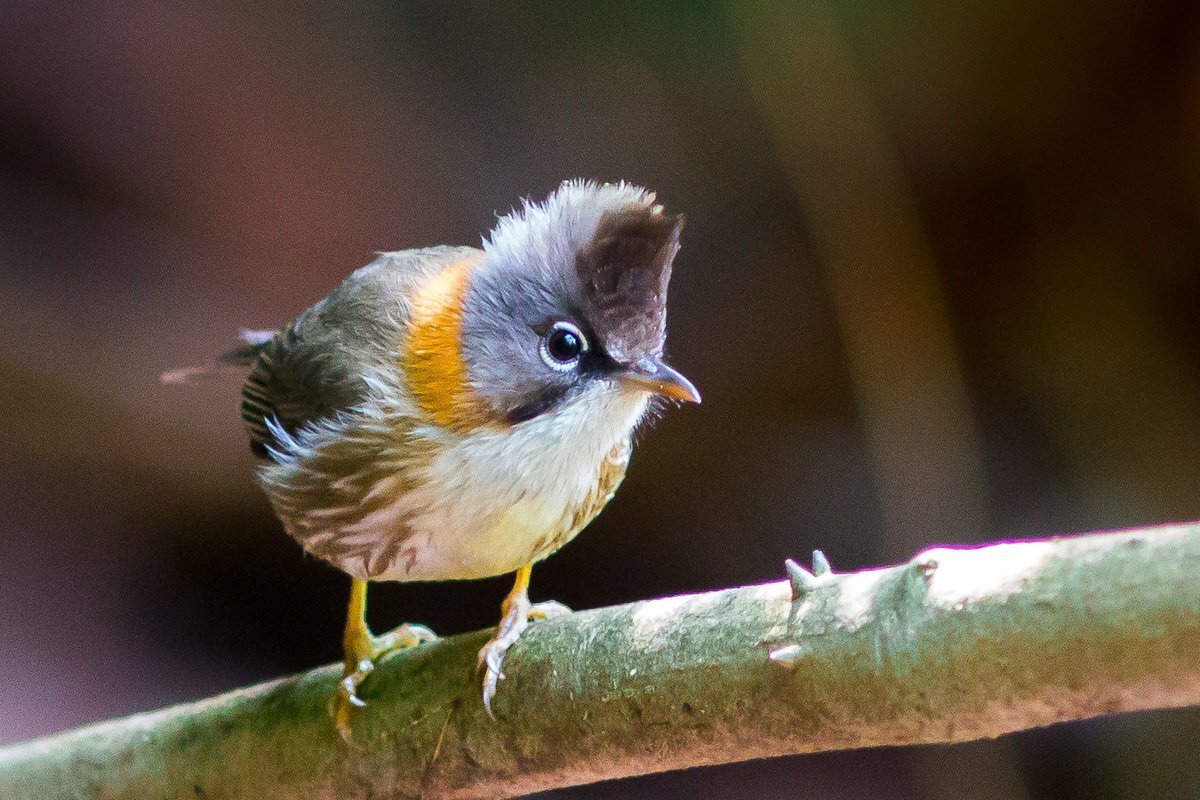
(320, 364)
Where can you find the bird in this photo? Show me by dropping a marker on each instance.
(457, 412)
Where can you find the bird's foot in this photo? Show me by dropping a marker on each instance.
(517, 611)
(362, 651)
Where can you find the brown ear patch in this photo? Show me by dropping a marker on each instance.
(625, 270)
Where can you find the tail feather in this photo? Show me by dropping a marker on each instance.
(253, 343)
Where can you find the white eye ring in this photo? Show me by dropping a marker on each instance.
(562, 346)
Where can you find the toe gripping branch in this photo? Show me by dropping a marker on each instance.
(809, 589)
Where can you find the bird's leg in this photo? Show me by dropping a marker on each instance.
(516, 612)
(362, 648)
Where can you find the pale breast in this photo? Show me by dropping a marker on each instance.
(495, 501)
(385, 498)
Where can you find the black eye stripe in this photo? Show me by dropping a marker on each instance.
(544, 401)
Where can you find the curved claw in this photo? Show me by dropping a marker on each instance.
(491, 656)
(346, 699)
(518, 611)
(361, 663)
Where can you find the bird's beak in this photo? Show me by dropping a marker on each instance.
(654, 376)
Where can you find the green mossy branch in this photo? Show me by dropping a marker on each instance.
(955, 645)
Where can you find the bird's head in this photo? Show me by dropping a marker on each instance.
(563, 315)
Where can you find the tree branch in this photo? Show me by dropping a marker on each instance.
(957, 644)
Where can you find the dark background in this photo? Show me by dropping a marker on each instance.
(939, 285)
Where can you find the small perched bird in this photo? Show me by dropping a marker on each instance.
(452, 412)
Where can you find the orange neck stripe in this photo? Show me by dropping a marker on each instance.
(433, 362)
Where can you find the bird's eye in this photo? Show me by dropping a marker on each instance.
(562, 345)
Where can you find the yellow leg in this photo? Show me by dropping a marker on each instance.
(361, 651)
(516, 611)
(357, 636)
(520, 589)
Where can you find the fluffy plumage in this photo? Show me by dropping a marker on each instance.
(413, 427)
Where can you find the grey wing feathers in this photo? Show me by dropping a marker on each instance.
(257, 405)
(319, 364)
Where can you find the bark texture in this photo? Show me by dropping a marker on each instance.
(956, 644)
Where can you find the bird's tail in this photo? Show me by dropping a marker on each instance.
(253, 343)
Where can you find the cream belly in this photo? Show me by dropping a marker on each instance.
(518, 536)
(496, 501)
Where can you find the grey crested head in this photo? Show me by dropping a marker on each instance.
(572, 291)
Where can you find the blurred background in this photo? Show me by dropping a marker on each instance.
(939, 285)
